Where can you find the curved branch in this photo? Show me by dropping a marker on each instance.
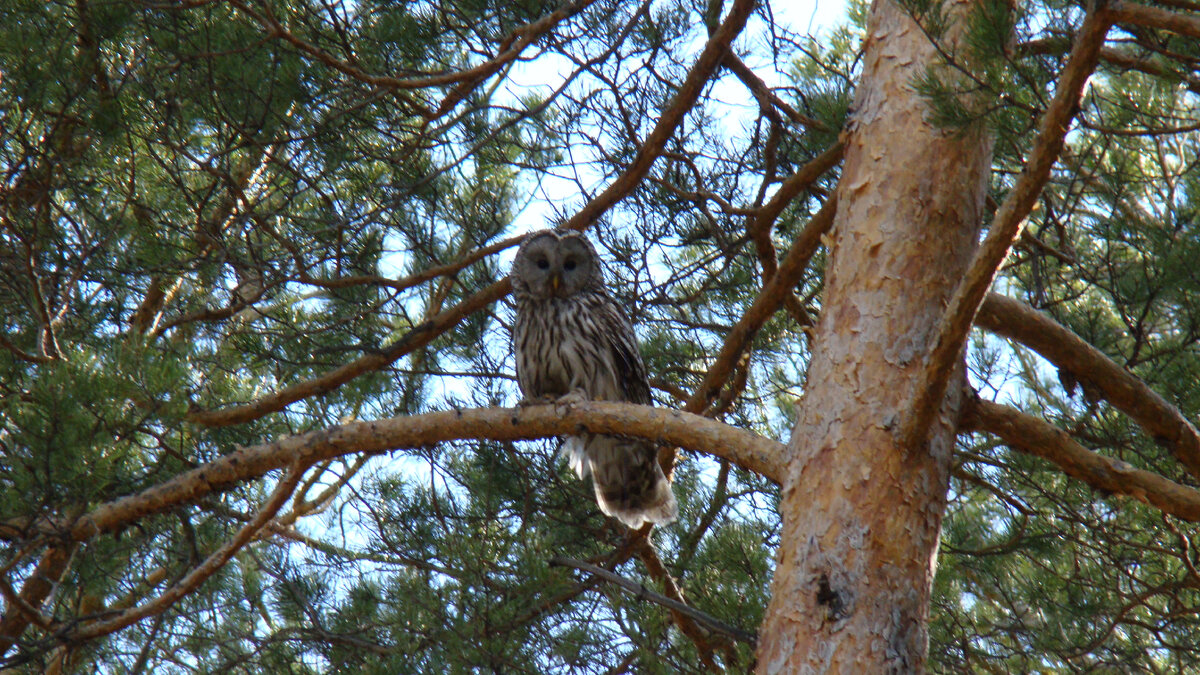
(1036, 437)
(1020, 322)
(745, 449)
(789, 189)
(930, 388)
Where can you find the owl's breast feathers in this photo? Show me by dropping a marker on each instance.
(562, 345)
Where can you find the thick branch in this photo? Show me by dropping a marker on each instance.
(1036, 437)
(930, 388)
(1018, 321)
(747, 450)
(640, 591)
(1125, 59)
(1155, 17)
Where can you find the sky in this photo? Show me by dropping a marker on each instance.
(544, 75)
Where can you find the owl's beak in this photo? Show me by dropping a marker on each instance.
(555, 280)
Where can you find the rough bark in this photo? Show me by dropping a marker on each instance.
(861, 516)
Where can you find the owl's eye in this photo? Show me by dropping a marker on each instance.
(543, 264)
(569, 265)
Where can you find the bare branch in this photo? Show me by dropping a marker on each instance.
(1018, 321)
(449, 270)
(765, 96)
(769, 299)
(930, 387)
(1155, 17)
(1037, 437)
(640, 591)
(792, 186)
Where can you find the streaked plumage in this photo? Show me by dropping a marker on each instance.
(571, 337)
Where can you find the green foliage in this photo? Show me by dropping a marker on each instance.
(207, 204)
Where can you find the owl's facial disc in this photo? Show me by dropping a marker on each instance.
(557, 267)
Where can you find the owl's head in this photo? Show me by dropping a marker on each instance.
(556, 263)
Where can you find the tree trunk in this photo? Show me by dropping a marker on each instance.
(861, 515)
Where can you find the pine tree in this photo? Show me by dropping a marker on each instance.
(257, 405)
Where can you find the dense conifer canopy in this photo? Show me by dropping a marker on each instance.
(226, 223)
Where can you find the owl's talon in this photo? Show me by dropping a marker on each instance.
(571, 400)
(544, 399)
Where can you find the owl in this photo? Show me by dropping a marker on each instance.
(570, 337)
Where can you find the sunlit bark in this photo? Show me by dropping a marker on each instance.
(861, 516)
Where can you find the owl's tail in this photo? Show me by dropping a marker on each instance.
(630, 485)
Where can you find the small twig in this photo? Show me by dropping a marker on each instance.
(643, 593)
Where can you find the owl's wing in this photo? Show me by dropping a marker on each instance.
(627, 358)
